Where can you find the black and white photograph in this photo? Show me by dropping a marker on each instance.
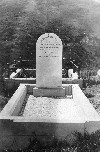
(49, 75)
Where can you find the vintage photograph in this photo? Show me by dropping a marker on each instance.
(49, 75)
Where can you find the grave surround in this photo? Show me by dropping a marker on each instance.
(22, 128)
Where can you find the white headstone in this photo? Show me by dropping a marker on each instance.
(12, 75)
(70, 73)
(75, 75)
(49, 61)
(98, 72)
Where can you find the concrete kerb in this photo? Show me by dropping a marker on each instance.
(14, 104)
(85, 108)
(43, 127)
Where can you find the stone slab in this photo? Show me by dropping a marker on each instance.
(14, 104)
(49, 61)
(49, 92)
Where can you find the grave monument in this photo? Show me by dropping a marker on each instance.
(49, 66)
(48, 118)
(98, 73)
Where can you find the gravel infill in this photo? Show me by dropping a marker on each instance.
(44, 107)
(54, 107)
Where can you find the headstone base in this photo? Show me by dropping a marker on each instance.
(49, 92)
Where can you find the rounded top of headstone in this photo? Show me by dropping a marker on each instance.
(49, 35)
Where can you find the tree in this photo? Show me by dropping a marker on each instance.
(8, 19)
(73, 46)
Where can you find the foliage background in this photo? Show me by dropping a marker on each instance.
(77, 23)
(22, 22)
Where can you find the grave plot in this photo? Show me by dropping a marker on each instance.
(51, 109)
(49, 87)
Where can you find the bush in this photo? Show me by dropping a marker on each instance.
(3, 102)
(93, 80)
